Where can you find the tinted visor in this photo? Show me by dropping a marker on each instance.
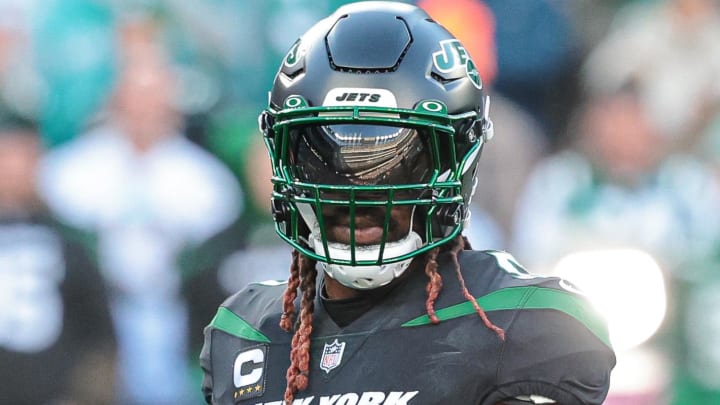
(351, 154)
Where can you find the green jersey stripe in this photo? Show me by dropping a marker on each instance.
(528, 298)
(227, 321)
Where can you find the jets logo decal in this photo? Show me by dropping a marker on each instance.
(296, 53)
(249, 373)
(340, 96)
(453, 55)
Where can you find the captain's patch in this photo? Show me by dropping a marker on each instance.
(249, 373)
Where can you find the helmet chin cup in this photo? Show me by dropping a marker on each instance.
(365, 277)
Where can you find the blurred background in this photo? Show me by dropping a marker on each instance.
(134, 184)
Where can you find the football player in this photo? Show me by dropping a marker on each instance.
(375, 125)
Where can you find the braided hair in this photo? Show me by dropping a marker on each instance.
(303, 274)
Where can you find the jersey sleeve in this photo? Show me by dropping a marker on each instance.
(556, 347)
(206, 366)
(245, 321)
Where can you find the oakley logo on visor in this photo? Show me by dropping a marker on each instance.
(359, 96)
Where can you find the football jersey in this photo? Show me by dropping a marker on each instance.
(555, 346)
(54, 317)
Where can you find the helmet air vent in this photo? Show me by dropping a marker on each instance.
(368, 42)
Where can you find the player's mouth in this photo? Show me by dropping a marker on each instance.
(370, 235)
(369, 226)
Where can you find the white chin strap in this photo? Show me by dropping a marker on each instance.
(361, 277)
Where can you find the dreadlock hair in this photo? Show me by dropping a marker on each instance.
(303, 274)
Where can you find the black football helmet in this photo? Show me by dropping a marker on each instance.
(375, 105)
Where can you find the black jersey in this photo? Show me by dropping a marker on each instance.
(55, 326)
(555, 345)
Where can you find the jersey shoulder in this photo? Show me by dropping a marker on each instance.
(252, 313)
(489, 270)
(501, 284)
(555, 339)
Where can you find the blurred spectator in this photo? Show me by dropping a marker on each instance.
(262, 246)
(669, 50)
(507, 161)
(617, 187)
(75, 46)
(148, 195)
(697, 369)
(539, 51)
(56, 337)
(697, 366)
(21, 88)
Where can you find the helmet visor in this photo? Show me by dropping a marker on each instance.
(352, 154)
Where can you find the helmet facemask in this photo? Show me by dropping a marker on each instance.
(353, 160)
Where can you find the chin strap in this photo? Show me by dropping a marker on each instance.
(367, 277)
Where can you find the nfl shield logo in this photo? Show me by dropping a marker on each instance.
(332, 355)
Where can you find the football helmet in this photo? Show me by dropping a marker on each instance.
(376, 105)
